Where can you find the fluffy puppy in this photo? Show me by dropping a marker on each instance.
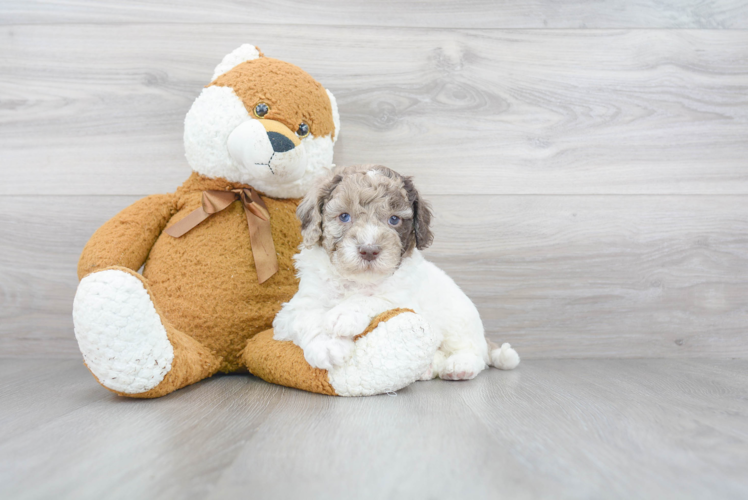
(363, 229)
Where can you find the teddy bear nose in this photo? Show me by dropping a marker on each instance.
(369, 252)
(280, 142)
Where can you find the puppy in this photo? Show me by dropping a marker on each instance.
(363, 229)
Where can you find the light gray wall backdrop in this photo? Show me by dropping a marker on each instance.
(587, 161)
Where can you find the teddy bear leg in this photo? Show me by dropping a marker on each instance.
(393, 352)
(127, 345)
(396, 350)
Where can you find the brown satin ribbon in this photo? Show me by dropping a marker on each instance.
(258, 221)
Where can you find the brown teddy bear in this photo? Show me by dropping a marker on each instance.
(216, 255)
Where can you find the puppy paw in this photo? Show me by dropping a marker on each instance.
(326, 352)
(428, 374)
(343, 321)
(462, 366)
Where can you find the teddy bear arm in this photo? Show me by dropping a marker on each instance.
(127, 238)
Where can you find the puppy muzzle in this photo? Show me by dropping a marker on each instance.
(369, 252)
(267, 148)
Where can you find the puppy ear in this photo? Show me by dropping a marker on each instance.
(311, 208)
(421, 215)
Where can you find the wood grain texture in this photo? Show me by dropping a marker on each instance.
(607, 429)
(92, 109)
(557, 276)
(34, 395)
(442, 13)
(155, 443)
(41, 242)
(611, 275)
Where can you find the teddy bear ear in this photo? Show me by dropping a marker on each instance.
(244, 53)
(335, 115)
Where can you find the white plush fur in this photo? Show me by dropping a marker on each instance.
(395, 354)
(207, 126)
(329, 309)
(120, 333)
(335, 114)
(221, 139)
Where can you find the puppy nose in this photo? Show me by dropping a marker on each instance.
(280, 142)
(369, 252)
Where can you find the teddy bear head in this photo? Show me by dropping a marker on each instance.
(262, 122)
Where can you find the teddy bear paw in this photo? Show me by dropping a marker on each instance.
(119, 332)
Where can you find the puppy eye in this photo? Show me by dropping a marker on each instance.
(394, 220)
(345, 217)
(303, 130)
(261, 110)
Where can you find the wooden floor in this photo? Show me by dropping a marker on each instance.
(551, 429)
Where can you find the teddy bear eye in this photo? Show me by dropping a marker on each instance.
(344, 217)
(394, 220)
(261, 110)
(303, 130)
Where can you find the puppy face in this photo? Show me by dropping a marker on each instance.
(368, 218)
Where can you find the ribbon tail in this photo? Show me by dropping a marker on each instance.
(263, 248)
(185, 225)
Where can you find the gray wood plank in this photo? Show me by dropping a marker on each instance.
(557, 276)
(607, 429)
(41, 243)
(639, 276)
(441, 13)
(599, 429)
(32, 396)
(421, 444)
(173, 447)
(92, 109)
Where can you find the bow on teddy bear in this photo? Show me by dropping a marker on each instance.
(259, 134)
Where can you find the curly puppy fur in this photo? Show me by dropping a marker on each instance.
(363, 229)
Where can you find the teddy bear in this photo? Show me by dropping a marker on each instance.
(217, 254)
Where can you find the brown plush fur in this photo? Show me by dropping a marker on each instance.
(283, 362)
(204, 284)
(291, 94)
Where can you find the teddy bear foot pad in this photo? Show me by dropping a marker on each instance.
(120, 333)
(394, 355)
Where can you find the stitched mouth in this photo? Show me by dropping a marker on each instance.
(268, 163)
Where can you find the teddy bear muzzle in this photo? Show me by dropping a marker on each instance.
(267, 149)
